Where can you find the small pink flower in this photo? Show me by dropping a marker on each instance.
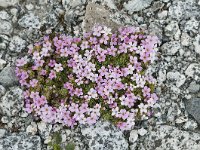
(58, 67)
(21, 62)
(33, 82)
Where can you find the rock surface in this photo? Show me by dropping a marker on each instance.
(168, 137)
(104, 136)
(20, 142)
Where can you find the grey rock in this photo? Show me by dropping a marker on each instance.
(196, 44)
(137, 5)
(2, 63)
(177, 77)
(194, 87)
(6, 3)
(12, 102)
(2, 90)
(2, 133)
(193, 108)
(171, 48)
(4, 15)
(8, 77)
(133, 136)
(30, 21)
(172, 30)
(72, 3)
(167, 137)
(193, 70)
(104, 135)
(191, 25)
(20, 142)
(185, 39)
(97, 14)
(5, 27)
(17, 44)
(178, 8)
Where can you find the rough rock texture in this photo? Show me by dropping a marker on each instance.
(104, 136)
(170, 138)
(176, 116)
(19, 142)
(7, 76)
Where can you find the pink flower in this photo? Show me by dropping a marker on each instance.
(21, 62)
(58, 67)
(52, 63)
(52, 74)
(33, 82)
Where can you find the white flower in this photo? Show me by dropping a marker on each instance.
(143, 108)
(93, 93)
(106, 30)
(115, 111)
(36, 56)
(58, 67)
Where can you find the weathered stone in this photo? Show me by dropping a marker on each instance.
(20, 142)
(72, 3)
(194, 87)
(177, 77)
(5, 27)
(103, 135)
(178, 8)
(2, 133)
(172, 30)
(191, 25)
(4, 15)
(167, 137)
(185, 39)
(193, 108)
(97, 14)
(17, 44)
(2, 90)
(2, 63)
(196, 44)
(12, 102)
(6, 3)
(171, 48)
(30, 21)
(137, 5)
(193, 70)
(32, 128)
(133, 136)
(8, 77)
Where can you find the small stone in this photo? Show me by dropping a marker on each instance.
(193, 108)
(2, 91)
(21, 141)
(185, 39)
(2, 63)
(2, 133)
(190, 125)
(72, 3)
(4, 15)
(8, 77)
(17, 44)
(177, 77)
(161, 76)
(172, 30)
(193, 70)
(162, 14)
(32, 128)
(12, 102)
(44, 129)
(194, 87)
(196, 44)
(171, 48)
(29, 6)
(7, 3)
(133, 136)
(137, 5)
(97, 14)
(5, 119)
(142, 131)
(5, 27)
(191, 25)
(30, 21)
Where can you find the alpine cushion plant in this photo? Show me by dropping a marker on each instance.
(72, 80)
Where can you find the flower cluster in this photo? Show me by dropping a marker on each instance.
(73, 80)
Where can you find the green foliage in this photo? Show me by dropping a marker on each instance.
(56, 143)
